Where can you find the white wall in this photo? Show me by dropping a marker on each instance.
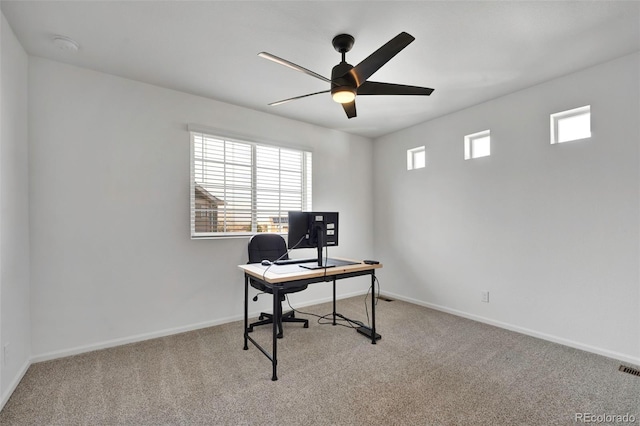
(111, 256)
(552, 231)
(15, 321)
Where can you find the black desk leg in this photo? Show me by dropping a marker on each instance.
(334, 301)
(276, 317)
(373, 307)
(246, 310)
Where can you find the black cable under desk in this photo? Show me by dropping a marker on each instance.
(279, 277)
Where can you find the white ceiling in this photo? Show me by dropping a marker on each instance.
(469, 52)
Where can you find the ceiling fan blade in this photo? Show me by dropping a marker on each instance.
(350, 109)
(284, 101)
(377, 59)
(291, 65)
(375, 88)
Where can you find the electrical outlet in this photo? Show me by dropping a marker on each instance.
(484, 296)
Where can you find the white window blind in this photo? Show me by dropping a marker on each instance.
(242, 187)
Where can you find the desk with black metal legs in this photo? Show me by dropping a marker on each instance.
(278, 278)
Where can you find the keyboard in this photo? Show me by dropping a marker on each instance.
(294, 261)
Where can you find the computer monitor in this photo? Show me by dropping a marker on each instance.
(313, 230)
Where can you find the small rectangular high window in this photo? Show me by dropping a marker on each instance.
(477, 145)
(571, 125)
(416, 158)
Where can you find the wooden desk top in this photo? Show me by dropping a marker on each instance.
(283, 273)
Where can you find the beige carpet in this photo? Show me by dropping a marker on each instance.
(430, 368)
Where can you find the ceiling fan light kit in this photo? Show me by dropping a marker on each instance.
(343, 94)
(348, 81)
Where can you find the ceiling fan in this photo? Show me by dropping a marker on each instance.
(348, 81)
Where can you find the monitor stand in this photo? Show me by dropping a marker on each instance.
(319, 265)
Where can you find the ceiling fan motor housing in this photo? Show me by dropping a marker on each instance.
(341, 78)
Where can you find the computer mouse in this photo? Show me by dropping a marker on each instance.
(266, 263)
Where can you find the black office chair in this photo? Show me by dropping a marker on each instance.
(272, 247)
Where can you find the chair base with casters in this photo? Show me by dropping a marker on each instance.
(286, 317)
(271, 247)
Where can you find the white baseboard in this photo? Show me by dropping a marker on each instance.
(544, 336)
(167, 332)
(14, 384)
(129, 339)
(145, 336)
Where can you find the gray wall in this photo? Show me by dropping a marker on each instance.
(111, 254)
(552, 231)
(15, 328)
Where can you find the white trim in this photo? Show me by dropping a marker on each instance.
(14, 384)
(544, 336)
(130, 339)
(176, 330)
(142, 337)
(169, 331)
(243, 138)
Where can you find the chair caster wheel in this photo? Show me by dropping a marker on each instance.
(306, 325)
(260, 318)
(250, 330)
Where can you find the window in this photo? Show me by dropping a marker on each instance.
(416, 158)
(240, 188)
(477, 145)
(571, 125)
